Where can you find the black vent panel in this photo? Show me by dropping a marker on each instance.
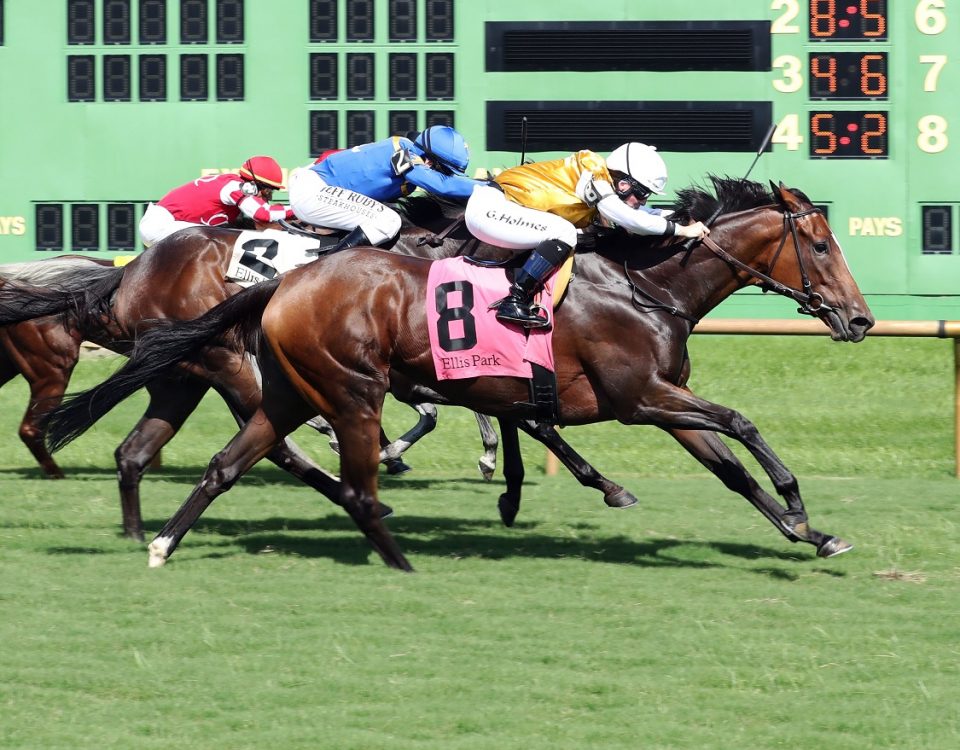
(602, 126)
(514, 46)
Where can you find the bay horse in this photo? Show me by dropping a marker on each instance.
(180, 278)
(44, 351)
(619, 346)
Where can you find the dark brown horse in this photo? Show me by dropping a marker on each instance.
(44, 351)
(619, 345)
(184, 276)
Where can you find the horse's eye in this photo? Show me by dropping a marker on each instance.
(821, 248)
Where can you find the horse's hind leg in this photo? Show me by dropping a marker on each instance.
(488, 436)
(254, 441)
(171, 402)
(613, 494)
(712, 452)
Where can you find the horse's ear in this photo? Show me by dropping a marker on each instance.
(787, 198)
(775, 189)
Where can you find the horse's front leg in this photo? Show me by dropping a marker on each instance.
(613, 494)
(686, 415)
(358, 475)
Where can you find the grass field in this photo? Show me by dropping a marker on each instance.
(685, 622)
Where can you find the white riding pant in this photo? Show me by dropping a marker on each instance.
(158, 223)
(323, 205)
(494, 218)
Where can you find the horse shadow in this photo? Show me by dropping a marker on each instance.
(336, 538)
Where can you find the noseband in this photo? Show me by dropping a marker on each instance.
(811, 303)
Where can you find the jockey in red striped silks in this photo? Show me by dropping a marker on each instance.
(218, 200)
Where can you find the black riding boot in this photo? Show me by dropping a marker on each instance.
(355, 238)
(518, 306)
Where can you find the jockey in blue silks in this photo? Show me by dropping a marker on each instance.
(347, 189)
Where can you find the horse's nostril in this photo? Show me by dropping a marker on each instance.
(862, 323)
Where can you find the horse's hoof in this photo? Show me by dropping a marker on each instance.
(833, 546)
(158, 552)
(620, 499)
(155, 560)
(134, 536)
(508, 510)
(385, 510)
(486, 469)
(396, 466)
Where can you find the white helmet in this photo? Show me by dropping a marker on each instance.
(641, 163)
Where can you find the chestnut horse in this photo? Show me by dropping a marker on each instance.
(619, 346)
(180, 278)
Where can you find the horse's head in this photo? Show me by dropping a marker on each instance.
(816, 269)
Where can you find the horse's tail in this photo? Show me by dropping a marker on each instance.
(157, 350)
(86, 291)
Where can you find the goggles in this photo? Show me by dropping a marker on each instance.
(438, 164)
(634, 188)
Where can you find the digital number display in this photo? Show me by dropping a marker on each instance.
(360, 128)
(121, 226)
(937, 230)
(359, 20)
(848, 135)
(402, 122)
(323, 76)
(193, 78)
(81, 81)
(323, 21)
(848, 75)
(116, 22)
(85, 226)
(153, 22)
(116, 78)
(153, 78)
(229, 21)
(80, 22)
(49, 223)
(848, 20)
(439, 117)
(193, 22)
(439, 14)
(403, 20)
(359, 76)
(324, 133)
(403, 76)
(439, 76)
(230, 78)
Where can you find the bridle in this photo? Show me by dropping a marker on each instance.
(811, 303)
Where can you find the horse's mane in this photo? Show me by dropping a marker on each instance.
(730, 194)
(698, 203)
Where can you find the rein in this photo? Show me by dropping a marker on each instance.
(811, 303)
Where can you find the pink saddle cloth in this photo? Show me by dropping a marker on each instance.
(466, 339)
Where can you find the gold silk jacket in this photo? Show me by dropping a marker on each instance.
(551, 186)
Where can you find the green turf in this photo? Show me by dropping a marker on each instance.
(686, 622)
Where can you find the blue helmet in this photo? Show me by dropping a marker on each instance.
(445, 147)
